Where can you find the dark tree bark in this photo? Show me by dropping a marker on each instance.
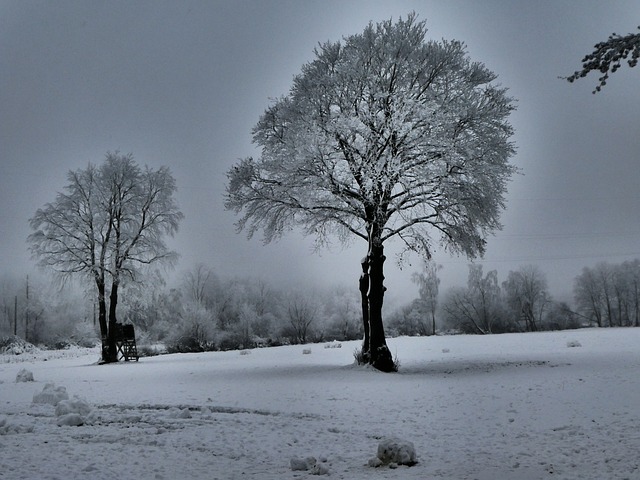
(364, 290)
(112, 352)
(379, 354)
(102, 319)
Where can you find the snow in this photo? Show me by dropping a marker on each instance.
(396, 451)
(24, 375)
(51, 394)
(517, 406)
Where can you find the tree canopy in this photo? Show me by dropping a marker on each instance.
(386, 128)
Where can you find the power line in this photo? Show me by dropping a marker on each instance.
(552, 236)
(551, 258)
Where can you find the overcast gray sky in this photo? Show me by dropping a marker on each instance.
(182, 84)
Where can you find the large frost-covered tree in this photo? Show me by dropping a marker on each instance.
(384, 134)
(110, 220)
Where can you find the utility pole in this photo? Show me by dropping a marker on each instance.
(26, 314)
(15, 315)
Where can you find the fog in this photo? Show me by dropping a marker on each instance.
(182, 84)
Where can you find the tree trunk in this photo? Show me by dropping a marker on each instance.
(112, 352)
(636, 304)
(433, 322)
(102, 319)
(379, 354)
(364, 289)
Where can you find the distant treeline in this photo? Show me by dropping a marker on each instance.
(208, 312)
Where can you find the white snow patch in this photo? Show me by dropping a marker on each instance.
(179, 413)
(70, 420)
(14, 345)
(520, 406)
(310, 464)
(74, 405)
(24, 375)
(394, 451)
(302, 464)
(51, 395)
(9, 427)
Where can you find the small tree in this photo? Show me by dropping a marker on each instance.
(109, 221)
(607, 57)
(428, 287)
(383, 135)
(526, 294)
(301, 314)
(477, 308)
(588, 296)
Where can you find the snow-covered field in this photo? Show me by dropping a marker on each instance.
(562, 405)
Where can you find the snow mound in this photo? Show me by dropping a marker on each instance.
(51, 394)
(75, 405)
(70, 420)
(393, 452)
(309, 464)
(13, 345)
(179, 413)
(24, 375)
(7, 427)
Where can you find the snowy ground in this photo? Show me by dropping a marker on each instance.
(523, 406)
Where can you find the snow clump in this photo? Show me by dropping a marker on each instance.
(394, 452)
(309, 464)
(70, 420)
(13, 345)
(24, 375)
(75, 405)
(182, 413)
(51, 394)
(7, 427)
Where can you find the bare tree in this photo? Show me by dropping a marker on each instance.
(595, 294)
(588, 296)
(110, 220)
(609, 294)
(526, 293)
(428, 288)
(383, 135)
(199, 284)
(476, 308)
(631, 271)
(301, 313)
(341, 311)
(607, 57)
